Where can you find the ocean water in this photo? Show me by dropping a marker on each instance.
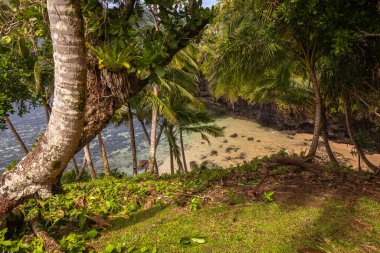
(116, 140)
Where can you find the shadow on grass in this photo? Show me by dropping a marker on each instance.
(342, 226)
(123, 222)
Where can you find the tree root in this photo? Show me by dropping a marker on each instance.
(49, 243)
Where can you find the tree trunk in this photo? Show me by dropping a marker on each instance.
(148, 139)
(152, 153)
(82, 168)
(325, 137)
(75, 166)
(171, 159)
(318, 113)
(77, 116)
(90, 165)
(144, 129)
(359, 150)
(47, 108)
(106, 165)
(16, 135)
(132, 138)
(40, 168)
(183, 151)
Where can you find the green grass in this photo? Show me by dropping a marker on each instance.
(226, 207)
(331, 226)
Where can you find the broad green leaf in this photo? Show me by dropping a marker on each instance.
(6, 40)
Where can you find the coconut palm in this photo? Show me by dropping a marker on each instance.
(90, 164)
(16, 135)
(103, 151)
(268, 43)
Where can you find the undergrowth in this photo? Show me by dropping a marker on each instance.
(90, 212)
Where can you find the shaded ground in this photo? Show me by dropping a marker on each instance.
(312, 209)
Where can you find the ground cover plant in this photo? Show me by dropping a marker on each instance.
(267, 205)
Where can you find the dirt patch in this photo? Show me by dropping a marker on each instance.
(293, 185)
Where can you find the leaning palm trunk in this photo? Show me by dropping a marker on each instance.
(148, 139)
(81, 171)
(324, 133)
(359, 150)
(152, 152)
(38, 171)
(318, 114)
(183, 150)
(15, 134)
(103, 151)
(47, 107)
(171, 159)
(90, 164)
(75, 166)
(47, 115)
(132, 138)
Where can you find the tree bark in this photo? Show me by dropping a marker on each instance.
(359, 150)
(183, 151)
(50, 244)
(75, 166)
(15, 134)
(47, 108)
(103, 151)
(324, 132)
(38, 171)
(132, 139)
(318, 113)
(171, 159)
(90, 165)
(82, 168)
(152, 152)
(77, 115)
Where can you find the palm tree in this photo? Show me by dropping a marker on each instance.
(90, 164)
(15, 134)
(132, 138)
(65, 128)
(103, 151)
(265, 44)
(153, 134)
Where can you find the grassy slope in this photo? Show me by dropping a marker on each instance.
(236, 223)
(337, 226)
(314, 209)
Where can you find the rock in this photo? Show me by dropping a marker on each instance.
(235, 135)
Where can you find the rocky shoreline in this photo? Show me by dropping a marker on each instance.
(292, 122)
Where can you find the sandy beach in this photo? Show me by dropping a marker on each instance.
(244, 140)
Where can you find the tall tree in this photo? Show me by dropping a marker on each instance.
(114, 74)
(103, 151)
(90, 164)
(16, 135)
(153, 133)
(58, 145)
(132, 138)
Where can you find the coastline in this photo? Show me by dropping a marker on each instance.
(245, 139)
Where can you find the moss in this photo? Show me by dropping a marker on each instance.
(82, 103)
(55, 164)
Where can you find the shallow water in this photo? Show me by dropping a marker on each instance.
(116, 141)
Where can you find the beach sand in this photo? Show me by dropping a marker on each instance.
(244, 140)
